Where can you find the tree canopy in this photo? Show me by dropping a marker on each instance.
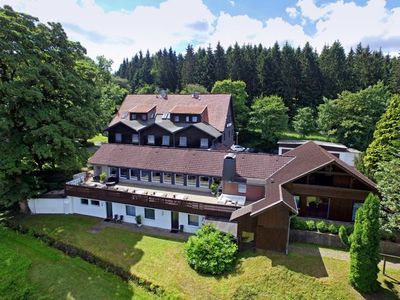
(304, 121)
(49, 103)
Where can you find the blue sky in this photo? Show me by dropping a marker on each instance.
(119, 28)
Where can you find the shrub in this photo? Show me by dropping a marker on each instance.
(349, 229)
(296, 223)
(364, 249)
(211, 251)
(311, 225)
(333, 229)
(344, 236)
(322, 227)
(103, 176)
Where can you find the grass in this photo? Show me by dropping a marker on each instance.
(257, 275)
(291, 135)
(30, 269)
(99, 138)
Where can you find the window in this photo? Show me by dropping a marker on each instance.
(191, 180)
(297, 199)
(123, 173)
(242, 188)
(84, 201)
(204, 182)
(312, 201)
(113, 172)
(183, 141)
(194, 119)
(118, 138)
(144, 175)
(133, 116)
(204, 143)
(144, 117)
(135, 138)
(187, 119)
(178, 179)
(151, 115)
(356, 206)
(165, 140)
(156, 177)
(247, 236)
(134, 174)
(176, 118)
(95, 202)
(149, 213)
(193, 220)
(167, 178)
(130, 210)
(150, 139)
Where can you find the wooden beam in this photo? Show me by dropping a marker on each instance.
(327, 191)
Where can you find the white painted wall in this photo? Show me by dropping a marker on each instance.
(89, 210)
(183, 220)
(348, 157)
(50, 205)
(119, 209)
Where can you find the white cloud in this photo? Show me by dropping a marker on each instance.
(175, 23)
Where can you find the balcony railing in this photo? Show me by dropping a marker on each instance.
(173, 204)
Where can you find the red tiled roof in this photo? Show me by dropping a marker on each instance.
(188, 161)
(188, 109)
(142, 108)
(217, 106)
(308, 157)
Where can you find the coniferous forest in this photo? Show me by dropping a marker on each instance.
(302, 77)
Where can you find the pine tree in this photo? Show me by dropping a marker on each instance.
(364, 249)
(188, 66)
(220, 63)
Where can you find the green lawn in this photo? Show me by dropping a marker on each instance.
(261, 275)
(30, 269)
(98, 138)
(291, 135)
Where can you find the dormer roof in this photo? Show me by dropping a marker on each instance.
(142, 108)
(188, 109)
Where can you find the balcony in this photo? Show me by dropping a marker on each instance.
(167, 198)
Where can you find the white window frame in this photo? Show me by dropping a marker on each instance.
(194, 119)
(130, 207)
(110, 171)
(187, 119)
(204, 143)
(176, 118)
(183, 179)
(152, 210)
(135, 138)
(181, 139)
(148, 176)
(171, 178)
(242, 188)
(188, 183)
(203, 185)
(119, 139)
(153, 177)
(150, 139)
(92, 202)
(133, 116)
(84, 200)
(122, 176)
(134, 177)
(164, 142)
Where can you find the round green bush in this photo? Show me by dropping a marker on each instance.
(311, 225)
(296, 223)
(333, 229)
(211, 251)
(322, 227)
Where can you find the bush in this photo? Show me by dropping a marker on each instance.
(322, 227)
(349, 229)
(364, 249)
(344, 236)
(333, 229)
(211, 251)
(311, 225)
(296, 223)
(103, 176)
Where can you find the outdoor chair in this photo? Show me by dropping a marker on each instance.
(115, 219)
(121, 219)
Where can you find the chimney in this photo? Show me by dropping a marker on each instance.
(229, 169)
(196, 95)
(164, 94)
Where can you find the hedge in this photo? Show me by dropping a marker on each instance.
(320, 226)
(89, 257)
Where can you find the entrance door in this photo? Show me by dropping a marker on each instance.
(174, 220)
(109, 210)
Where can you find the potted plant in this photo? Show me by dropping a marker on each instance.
(103, 177)
(214, 188)
(138, 219)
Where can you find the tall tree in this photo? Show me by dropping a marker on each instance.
(49, 103)
(188, 66)
(364, 249)
(220, 63)
(304, 121)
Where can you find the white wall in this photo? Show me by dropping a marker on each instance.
(183, 220)
(348, 157)
(89, 210)
(50, 205)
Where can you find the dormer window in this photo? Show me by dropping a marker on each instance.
(133, 116)
(151, 115)
(144, 117)
(135, 138)
(182, 141)
(176, 118)
(194, 119)
(165, 140)
(187, 119)
(150, 139)
(204, 143)
(118, 137)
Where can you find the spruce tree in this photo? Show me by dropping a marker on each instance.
(364, 249)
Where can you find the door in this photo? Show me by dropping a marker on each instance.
(109, 210)
(174, 220)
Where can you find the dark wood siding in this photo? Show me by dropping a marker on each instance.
(158, 133)
(272, 229)
(125, 131)
(193, 136)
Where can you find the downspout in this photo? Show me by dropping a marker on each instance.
(288, 235)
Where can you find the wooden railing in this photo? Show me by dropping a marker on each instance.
(173, 204)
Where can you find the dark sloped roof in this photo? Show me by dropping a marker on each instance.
(217, 106)
(189, 161)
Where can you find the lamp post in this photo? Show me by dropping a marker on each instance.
(237, 137)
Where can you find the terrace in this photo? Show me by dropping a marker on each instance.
(169, 198)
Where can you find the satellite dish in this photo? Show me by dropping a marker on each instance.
(163, 93)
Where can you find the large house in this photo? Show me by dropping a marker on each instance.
(181, 188)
